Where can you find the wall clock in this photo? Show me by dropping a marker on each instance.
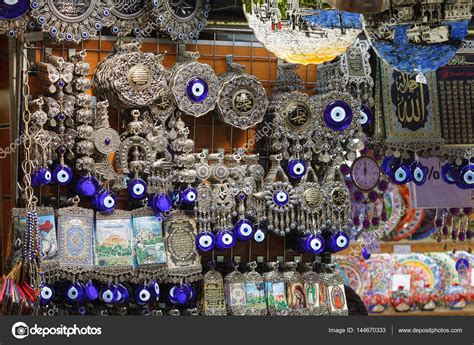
(365, 173)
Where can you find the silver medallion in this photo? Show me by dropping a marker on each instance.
(131, 16)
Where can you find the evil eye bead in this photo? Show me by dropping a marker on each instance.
(47, 294)
(197, 90)
(449, 173)
(87, 186)
(74, 293)
(189, 196)
(315, 244)
(62, 174)
(259, 235)
(42, 177)
(137, 188)
(297, 168)
(339, 241)
(338, 115)
(366, 116)
(388, 165)
(142, 295)
(401, 175)
(225, 240)
(419, 174)
(92, 292)
(105, 201)
(205, 241)
(243, 230)
(155, 289)
(107, 295)
(281, 198)
(466, 176)
(123, 292)
(161, 203)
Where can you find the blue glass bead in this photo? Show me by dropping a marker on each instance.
(161, 203)
(297, 168)
(466, 176)
(137, 188)
(87, 186)
(366, 116)
(225, 240)
(142, 295)
(365, 253)
(338, 241)
(205, 241)
(91, 290)
(338, 115)
(105, 201)
(197, 90)
(62, 174)
(13, 9)
(41, 178)
(419, 173)
(259, 235)
(47, 294)
(401, 174)
(106, 295)
(313, 244)
(74, 292)
(281, 198)
(189, 196)
(449, 173)
(387, 165)
(243, 230)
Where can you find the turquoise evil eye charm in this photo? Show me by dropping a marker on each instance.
(225, 240)
(41, 177)
(313, 244)
(205, 241)
(105, 201)
(419, 173)
(107, 295)
(466, 177)
(197, 90)
(62, 174)
(338, 115)
(338, 242)
(92, 293)
(259, 235)
(142, 295)
(297, 168)
(243, 230)
(13, 9)
(137, 188)
(87, 186)
(189, 196)
(281, 198)
(46, 294)
(161, 203)
(401, 174)
(366, 116)
(449, 173)
(74, 292)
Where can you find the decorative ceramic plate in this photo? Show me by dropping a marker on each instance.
(394, 206)
(423, 270)
(380, 267)
(447, 266)
(411, 219)
(426, 228)
(351, 274)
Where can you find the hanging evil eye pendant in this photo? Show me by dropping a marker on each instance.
(92, 293)
(401, 174)
(105, 201)
(313, 244)
(388, 165)
(161, 203)
(74, 292)
(281, 198)
(46, 294)
(297, 168)
(137, 188)
(419, 173)
(225, 240)
(466, 177)
(338, 115)
(197, 90)
(338, 242)
(366, 116)
(205, 241)
(155, 290)
(41, 178)
(87, 186)
(243, 230)
(107, 295)
(449, 173)
(259, 235)
(142, 295)
(62, 174)
(189, 196)
(123, 293)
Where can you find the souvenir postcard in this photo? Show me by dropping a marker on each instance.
(148, 242)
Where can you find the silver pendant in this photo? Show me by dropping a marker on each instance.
(71, 21)
(242, 101)
(213, 303)
(194, 85)
(311, 203)
(275, 291)
(235, 292)
(335, 293)
(315, 304)
(295, 292)
(181, 20)
(255, 304)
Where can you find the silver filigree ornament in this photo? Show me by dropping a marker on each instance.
(242, 99)
(132, 16)
(194, 85)
(14, 17)
(181, 19)
(130, 78)
(311, 203)
(71, 21)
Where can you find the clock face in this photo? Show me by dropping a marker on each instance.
(365, 173)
